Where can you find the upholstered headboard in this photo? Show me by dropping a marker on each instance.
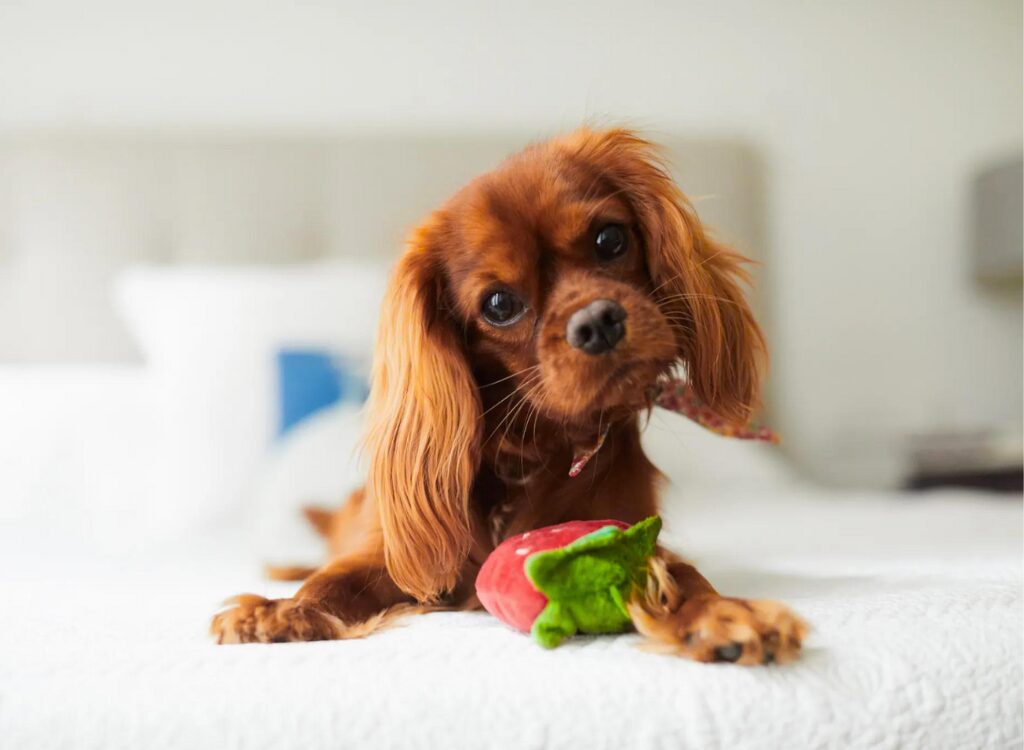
(76, 208)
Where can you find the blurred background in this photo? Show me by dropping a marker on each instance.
(199, 202)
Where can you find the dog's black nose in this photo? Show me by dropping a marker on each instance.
(598, 327)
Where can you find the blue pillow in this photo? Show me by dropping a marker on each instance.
(310, 380)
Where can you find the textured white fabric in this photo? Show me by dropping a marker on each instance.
(76, 448)
(915, 604)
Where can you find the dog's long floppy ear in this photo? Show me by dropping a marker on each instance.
(696, 281)
(424, 433)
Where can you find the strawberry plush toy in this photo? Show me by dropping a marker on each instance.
(574, 577)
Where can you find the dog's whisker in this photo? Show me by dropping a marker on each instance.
(682, 325)
(528, 385)
(710, 258)
(534, 412)
(676, 297)
(506, 419)
(511, 417)
(666, 282)
(509, 377)
(511, 394)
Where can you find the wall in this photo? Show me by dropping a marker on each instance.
(871, 117)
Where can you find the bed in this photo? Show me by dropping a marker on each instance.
(915, 605)
(138, 492)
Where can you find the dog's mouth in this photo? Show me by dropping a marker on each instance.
(635, 389)
(630, 386)
(584, 399)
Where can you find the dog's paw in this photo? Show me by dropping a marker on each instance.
(718, 629)
(254, 619)
(744, 632)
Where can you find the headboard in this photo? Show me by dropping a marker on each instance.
(75, 208)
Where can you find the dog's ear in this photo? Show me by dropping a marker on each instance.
(424, 433)
(696, 281)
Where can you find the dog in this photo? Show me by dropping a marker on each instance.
(528, 319)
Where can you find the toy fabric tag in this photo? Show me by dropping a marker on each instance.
(675, 394)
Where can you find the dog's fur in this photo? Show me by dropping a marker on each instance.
(473, 426)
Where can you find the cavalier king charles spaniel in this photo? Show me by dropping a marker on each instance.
(530, 315)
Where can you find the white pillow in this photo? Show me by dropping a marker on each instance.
(316, 463)
(211, 337)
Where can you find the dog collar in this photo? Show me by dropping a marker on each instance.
(675, 394)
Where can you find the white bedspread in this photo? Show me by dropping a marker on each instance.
(915, 604)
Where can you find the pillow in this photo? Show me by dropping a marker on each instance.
(314, 463)
(309, 380)
(218, 342)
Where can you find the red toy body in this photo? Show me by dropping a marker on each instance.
(502, 585)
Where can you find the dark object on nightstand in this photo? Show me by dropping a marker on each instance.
(976, 460)
(1000, 480)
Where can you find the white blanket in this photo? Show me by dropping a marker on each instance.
(915, 604)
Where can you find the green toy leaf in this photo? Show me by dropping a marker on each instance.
(588, 582)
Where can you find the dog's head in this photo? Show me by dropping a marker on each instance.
(578, 272)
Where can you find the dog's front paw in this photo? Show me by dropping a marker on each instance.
(254, 619)
(744, 631)
(718, 629)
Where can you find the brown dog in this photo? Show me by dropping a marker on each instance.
(530, 314)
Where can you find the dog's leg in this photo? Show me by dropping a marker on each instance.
(344, 529)
(349, 597)
(683, 614)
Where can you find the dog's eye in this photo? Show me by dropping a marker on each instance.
(610, 241)
(502, 308)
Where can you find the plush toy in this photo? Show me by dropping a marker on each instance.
(573, 577)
